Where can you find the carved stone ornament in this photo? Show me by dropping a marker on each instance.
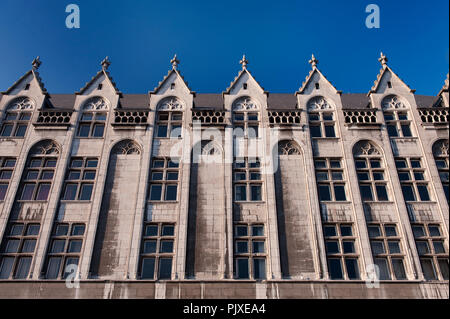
(95, 104)
(288, 148)
(21, 103)
(127, 147)
(244, 104)
(319, 103)
(366, 149)
(169, 104)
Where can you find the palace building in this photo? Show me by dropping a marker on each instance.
(240, 194)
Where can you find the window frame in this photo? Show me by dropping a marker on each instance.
(412, 182)
(322, 123)
(92, 123)
(248, 182)
(164, 182)
(330, 181)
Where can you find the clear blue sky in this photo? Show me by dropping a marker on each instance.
(278, 37)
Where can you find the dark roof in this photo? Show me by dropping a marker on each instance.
(424, 101)
(134, 101)
(279, 101)
(62, 101)
(208, 101)
(355, 101)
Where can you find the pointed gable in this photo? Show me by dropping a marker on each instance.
(244, 77)
(31, 77)
(173, 77)
(314, 77)
(387, 79)
(102, 76)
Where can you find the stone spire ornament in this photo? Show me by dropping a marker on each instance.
(383, 59)
(36, 63)
(174, 62)
(244, 62)
(105, 63)
(313, 61)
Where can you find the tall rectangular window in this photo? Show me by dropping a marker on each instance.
(342, 255)
(17, 251)
(432, 252)
(442, 164)
(92, 125)
(372, 179)
(164, 179)
(387, 251)
(15, 123)
(80, 179)
(37, 179)
(398, 123)
(330, 179)
(250, 251)
(64, 250)
(169, 124)
(247, 180)
(157, 251)
(413, 179)
(322, 124)
(248, 123)
(6, 171)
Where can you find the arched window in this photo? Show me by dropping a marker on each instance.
(246, 118)
(93, 118)
(440, 152)
(18, 115)
(321, 118)
(370, 170)
(169, 121)
(398, 122)
(19, 242)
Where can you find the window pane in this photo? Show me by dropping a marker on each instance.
(166, 246)
(256, 192)
(401, 164)
(392, 130)
(352, 268)
(335, 268)
(16, 230)
(320, 164)
(6, 267)
(241, 231)
(32, 175)
(43, 191)
(86, 191)
(378, 247)
(27, 193)
(383, 268)
(3, 189)
(259, 268)
(165, 268)
(158, 164)
(339, 193)
(74, 175)
(23, 268)
(423, 193)
(171, 192)
(168, 230)
(91, 163)
(416, 163)
(428, 269)
(438, 247)
(76, 163)
(242, 247)
(443, 266)
(423, 247)
(349, 247)
(366, 193)
(406, 130)
(346, 231)
(315, 131)
(258, 247)
(87, 117)
(29, 246)
(177, 116)
(151, 230)
(12, 246)
(399, 269)
(98, 130)
(148, 268)
(5, 175)
(434, 231)
(54, 264)
(100, 117)
(78, 230)
(174, 163)
(149, 247)
(10, 116)
(324, 193)
(329, 231)
(322, 176)
(33, 230)
(162, 131)
(61, 230)
(329, 131)
(418, 176)
(241, 192)
(337, 176)
(58, 246)
(361, 164)
(382, 193)
(253, 131)
(394, 247)
(408, 193)
(70, 266)
(374, 231)
(83, 130)
(71, 191)
(21, 130)
(257, 231)
(89, 175)
(7, 130)
(75, 246)
(255, 176)
(332, 247)
(390, 231)
(404, 176)
(47, 175)
(163, 116)
(175, 132)
(328, 116)
(378, 176)
(314, 117)
(172, 176)
(157, 176)
(155, 192)
(9, 163)
(418, 231)
(242, 268)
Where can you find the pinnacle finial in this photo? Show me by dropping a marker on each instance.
(174, 62)
(313, 61)
(244, 62)
(36, 63)
(383, 59)
(105, 63)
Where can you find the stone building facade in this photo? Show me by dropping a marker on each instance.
(244, 194)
